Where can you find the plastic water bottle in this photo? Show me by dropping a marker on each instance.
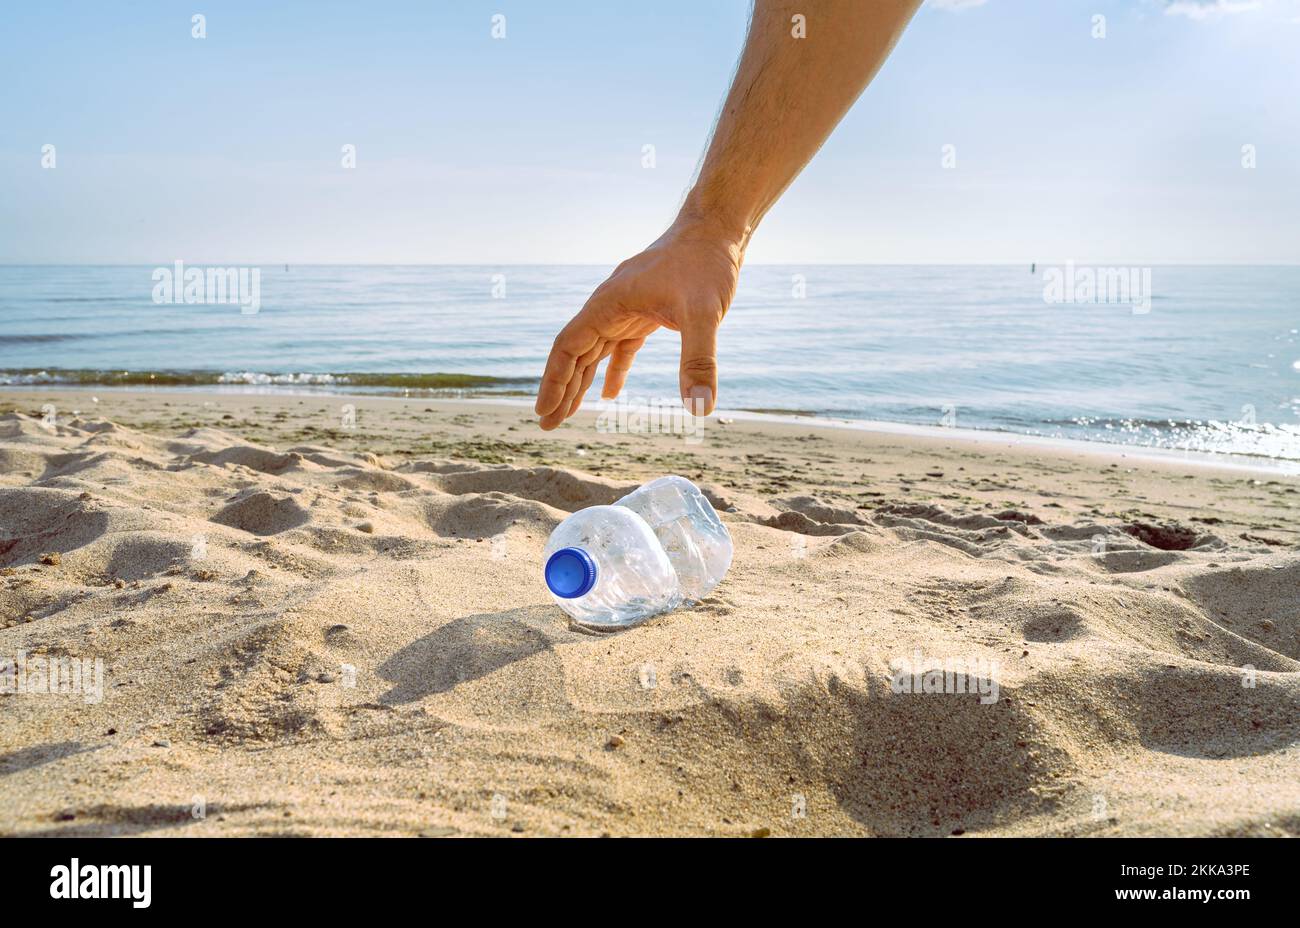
(698, 544)
(657, 547)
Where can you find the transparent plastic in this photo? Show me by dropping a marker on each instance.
(634, 578)
(654, 549)
(698, 544)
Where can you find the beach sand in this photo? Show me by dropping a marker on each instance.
(313, 629)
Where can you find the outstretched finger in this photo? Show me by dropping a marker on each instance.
(561, 410)
(588, 376)
(699, 369)
(574, 341)
(620, 362)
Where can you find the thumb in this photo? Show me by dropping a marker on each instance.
(699, 373)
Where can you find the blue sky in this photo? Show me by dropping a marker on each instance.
(528, 149)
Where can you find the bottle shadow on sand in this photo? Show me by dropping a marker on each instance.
(472, 647)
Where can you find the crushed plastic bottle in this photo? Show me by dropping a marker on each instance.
(657, 547)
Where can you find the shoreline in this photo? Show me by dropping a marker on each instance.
(995, 437)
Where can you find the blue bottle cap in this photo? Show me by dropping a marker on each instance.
(570, 573)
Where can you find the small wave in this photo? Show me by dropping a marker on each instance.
(259, 379)
(387, 381)
(106, 378)
(39, 338)
(87, 299)
(1258, 439)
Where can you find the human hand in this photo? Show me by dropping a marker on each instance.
(685, 281)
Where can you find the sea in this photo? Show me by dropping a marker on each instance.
(1189, 358)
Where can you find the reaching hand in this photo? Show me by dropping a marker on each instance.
(789, 91)
(685, 281)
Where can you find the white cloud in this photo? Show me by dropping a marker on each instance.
(1204, 9)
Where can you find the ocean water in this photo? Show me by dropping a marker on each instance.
(1211, 362)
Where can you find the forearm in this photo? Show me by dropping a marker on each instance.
(788, 95)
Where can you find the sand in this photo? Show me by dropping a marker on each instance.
(307, 628)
